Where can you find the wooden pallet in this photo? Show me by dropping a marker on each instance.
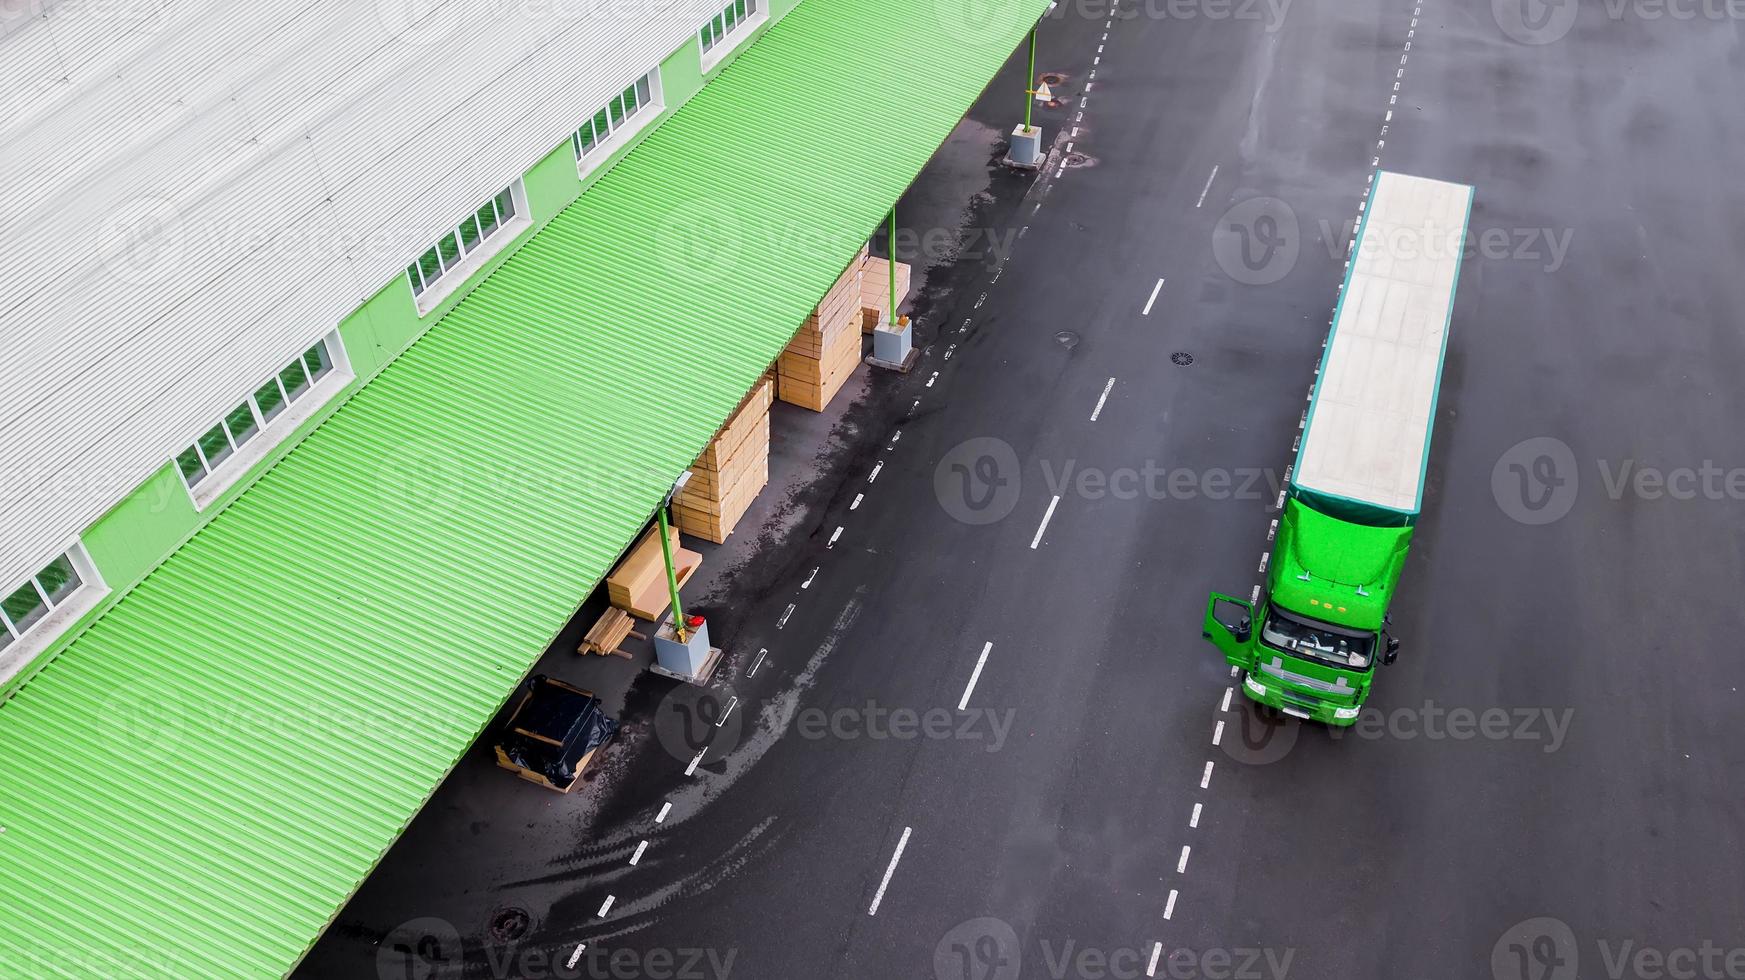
(638, 585)
(609, 633)
(730, 472)
(875, 290)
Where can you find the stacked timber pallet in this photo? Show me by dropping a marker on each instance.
(730, 472)
(875, 290)
(639, 586)
(826, 348)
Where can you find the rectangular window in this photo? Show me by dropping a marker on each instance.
(722, 25)
(293, 380)
(193, 470)
(28, 604)
(214, 446)
(449, 251)
(241, 424)
(270, 399)
(596, 132)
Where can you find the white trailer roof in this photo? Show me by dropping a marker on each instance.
(1368, 434)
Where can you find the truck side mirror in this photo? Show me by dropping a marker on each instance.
(1392, 649)
(1243, 629)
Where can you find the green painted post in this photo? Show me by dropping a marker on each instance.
(672, 580)
(893, 264)
(1030, 93)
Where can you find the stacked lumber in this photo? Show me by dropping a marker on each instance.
(875, 290)
(730, 472)
(826, 348)
(638, 585)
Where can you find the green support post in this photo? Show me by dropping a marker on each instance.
(1030, 93)
(672, 580)
(892, 249)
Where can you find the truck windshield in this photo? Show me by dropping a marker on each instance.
(1316, 641)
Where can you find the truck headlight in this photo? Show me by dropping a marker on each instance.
(1254, 685)
(1345, 713)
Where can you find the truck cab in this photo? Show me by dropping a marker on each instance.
(1310, 645)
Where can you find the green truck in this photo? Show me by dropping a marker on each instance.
(1354, 493)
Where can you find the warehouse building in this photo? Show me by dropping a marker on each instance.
(346, 347)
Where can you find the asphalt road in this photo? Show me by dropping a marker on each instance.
(1547, 775)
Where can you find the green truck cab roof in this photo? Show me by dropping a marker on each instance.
(1333, 570)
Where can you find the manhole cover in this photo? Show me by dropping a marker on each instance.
(1067, 339)
(1053, 77)
(509, 923)
(1182, 358)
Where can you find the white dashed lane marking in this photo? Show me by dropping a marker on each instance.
(1046, 517)
(1207, 189)
(975, 675)
(889, 871)
(1152, 299)
(1104, 398)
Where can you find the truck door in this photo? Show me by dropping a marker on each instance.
(1229, 624)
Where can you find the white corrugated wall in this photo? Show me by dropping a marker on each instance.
(195, 192)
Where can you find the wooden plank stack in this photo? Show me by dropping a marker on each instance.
(826, 348)
(638, 585)
(730, 472)
(875, 290)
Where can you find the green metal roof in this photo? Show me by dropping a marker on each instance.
(202, 779)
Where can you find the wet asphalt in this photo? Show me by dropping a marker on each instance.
(1548, 774)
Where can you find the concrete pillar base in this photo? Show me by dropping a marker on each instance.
(892, 342)
(894, 346)
(686, 657)
(1026, 147)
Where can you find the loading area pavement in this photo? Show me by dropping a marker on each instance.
(1103, 416)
